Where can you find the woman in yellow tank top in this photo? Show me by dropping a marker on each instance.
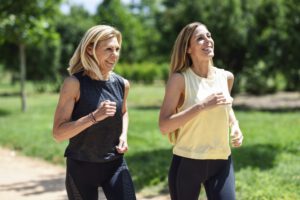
(197, 115)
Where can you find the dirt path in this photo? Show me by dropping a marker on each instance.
(279, 101)
(23, 178)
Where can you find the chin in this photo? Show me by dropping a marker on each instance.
(109, 68)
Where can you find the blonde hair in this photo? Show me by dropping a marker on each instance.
(81, 59)
(181, 60)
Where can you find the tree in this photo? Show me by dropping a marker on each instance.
(71, 30)
(23, 23)
(147, 11)
(113, 12)
(291, 44)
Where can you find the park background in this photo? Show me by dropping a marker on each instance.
(256, 40)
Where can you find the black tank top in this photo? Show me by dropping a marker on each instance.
(97, 142)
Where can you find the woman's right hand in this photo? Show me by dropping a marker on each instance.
(216, 99)
(106, 109)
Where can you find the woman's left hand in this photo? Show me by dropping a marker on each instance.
(122, 146)
(236, 136)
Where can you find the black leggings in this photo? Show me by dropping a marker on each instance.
(84, 178)
(186, 176)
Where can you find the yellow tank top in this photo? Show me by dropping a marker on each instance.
(206, 136)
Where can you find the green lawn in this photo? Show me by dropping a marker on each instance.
(267, 166)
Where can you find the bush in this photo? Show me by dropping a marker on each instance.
(259, 80)
(145, 73)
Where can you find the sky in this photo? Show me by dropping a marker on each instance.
(90, 5)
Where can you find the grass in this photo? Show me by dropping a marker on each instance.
(267, 167)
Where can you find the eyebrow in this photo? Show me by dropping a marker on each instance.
(200, 34)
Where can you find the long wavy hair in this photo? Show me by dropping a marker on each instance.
(81, 59)
(180, 58)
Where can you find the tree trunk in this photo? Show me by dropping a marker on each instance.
(23, 75)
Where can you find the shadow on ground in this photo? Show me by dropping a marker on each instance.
(261, 156)
(149, 168)
(37, 187)
(4, 112)
(9, 94)
(147, 107)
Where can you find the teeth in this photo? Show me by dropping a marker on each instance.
(207, 49)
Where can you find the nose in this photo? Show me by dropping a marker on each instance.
(115, 54)
(209, 40)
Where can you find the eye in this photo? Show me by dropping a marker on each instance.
(200, 38)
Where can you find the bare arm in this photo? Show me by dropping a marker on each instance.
(63, 127)
(236, 133)
(230, 80)
(169, 120)
(123, 145)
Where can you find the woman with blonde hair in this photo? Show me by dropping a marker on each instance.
(92, 114)
(197, 114)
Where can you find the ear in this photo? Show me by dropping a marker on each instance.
(189, 50)
(89, 49)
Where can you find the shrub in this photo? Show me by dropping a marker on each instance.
(145, 73)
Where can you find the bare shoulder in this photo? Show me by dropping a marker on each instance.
(126, 84)
(176, 80)
(71, 82)
(175, 84)
(229, 75)
(177, 76)
(230, 79)
(70, 87)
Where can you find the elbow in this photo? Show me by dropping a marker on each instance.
(163, 128)
(57, 136)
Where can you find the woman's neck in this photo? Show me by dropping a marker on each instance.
(105, 76)
(201, 68)
(93, 76)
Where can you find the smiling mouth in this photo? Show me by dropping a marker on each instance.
(208, 49)
(109, 63)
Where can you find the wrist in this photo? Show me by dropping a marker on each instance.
(234, 123)
(200, 106)
(92, 118)
(123, 136)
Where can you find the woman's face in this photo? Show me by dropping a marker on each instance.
(201, 44)
(107, 53)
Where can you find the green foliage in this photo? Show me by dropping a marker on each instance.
(113, 12)
(146, 12)
(142, 72)
(257, 80)
(71, 29)
(30, 23)
(289, 61)
(26, 21)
